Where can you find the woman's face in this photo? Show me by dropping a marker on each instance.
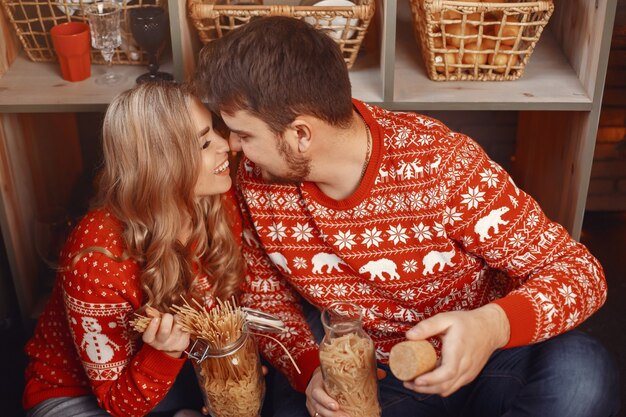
(214, 175)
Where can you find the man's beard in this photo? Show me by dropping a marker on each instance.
(298, 167)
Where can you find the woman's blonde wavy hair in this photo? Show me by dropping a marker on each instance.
(151, 165)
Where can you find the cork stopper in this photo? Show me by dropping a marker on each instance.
(410, 359)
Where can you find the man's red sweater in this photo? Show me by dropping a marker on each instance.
(434, 226)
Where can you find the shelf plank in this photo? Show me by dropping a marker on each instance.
(576, 28)
(555, 145)
(17, 209)
(8, 43)
(185, 41)
(366, 77)
(549, 81)
(38, 87)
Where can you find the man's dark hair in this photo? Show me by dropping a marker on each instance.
(276, 68)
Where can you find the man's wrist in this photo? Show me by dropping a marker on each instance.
(502, 325)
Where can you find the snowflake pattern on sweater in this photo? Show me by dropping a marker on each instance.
(434, 226)
(83, 343)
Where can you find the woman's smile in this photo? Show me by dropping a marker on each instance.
(222, 168)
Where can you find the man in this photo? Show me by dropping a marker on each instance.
(408, 220)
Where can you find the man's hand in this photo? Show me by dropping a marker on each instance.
(468, 340)
(319, 403)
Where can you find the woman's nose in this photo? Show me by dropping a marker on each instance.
(224, 145)
(234, 142)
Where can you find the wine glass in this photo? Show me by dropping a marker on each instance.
(149, 26)
(104, 22)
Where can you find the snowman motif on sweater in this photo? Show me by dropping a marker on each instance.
(99, 347)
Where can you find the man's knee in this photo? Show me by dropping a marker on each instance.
(584, 376)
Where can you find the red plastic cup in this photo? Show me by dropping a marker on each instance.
(72, 45)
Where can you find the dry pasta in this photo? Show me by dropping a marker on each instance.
(141, 322)
(349, 371)
(232, 390)
(230, 375)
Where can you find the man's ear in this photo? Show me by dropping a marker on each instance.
(303, 132)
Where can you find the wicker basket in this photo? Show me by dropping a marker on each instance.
(33, 19)
(346, 25)
(490, 41)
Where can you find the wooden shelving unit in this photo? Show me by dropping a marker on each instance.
(558, 103)
(37, 87)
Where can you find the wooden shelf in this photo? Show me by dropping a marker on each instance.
(549, 82)
(38, 87)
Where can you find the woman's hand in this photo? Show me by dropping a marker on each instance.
(165, 334)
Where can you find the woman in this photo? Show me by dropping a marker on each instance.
(157, 233)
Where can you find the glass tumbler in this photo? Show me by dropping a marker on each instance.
(231, 379)
(348, 361)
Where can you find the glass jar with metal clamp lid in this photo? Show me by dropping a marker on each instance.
(227, 362)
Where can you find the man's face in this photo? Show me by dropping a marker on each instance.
(276, 156)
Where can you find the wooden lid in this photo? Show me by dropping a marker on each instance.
(410, 359)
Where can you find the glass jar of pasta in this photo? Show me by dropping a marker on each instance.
(230, 377)
(348, 361)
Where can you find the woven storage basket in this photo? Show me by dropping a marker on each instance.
(490, 41)
(33, 19)
(346, 25)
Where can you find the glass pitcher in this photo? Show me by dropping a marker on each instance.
(348, 361)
